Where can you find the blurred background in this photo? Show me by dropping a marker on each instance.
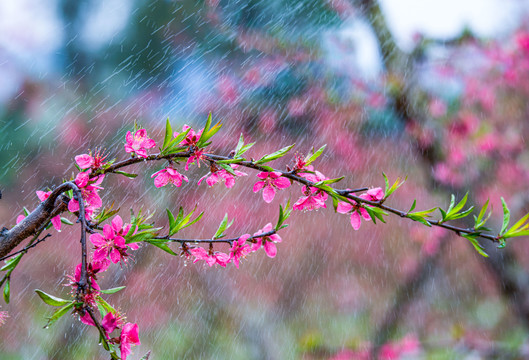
(436, 91)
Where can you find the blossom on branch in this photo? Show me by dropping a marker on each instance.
(138, 143)
(239, 249)
(356, 210)
(87, 161)
(129, 336)
(314, 199)
(111, 245)
(168, 176)
(211, 259)
(56, 220)
(221, 174)
(268, 241)
(270, 181)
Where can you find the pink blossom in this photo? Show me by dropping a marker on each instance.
(138, 143)
(239, 249)
(268, 242)
(110, 322)
(168, 176)
(111, 245)
(87, 161)
(198, 154)
(192, 136)
(3, 317)
(89, 191)
(92, 292)
(211, 259)
(375, 194)
(20, 218)
(56, 220)
(356, 210)
(270, 181)
(220, 174)
(129, 336)
(313, 199)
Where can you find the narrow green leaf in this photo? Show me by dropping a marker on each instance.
(172, 221)
(386, 181)
(240, 144)
(275, 155)
(460, 205)
(228, 168)
(113, 290)
(244, 149)
(130, 176)
(58, 314)
(66, 221)
(52, 300)
(473, 240)
(452, 202)
(168, 134)
(506, 216)
(223, 226)
(7, 291)
(104, 307)
(162, 246)
(413, 206)
(229, 161)
(519, 223)
(393, 187)
(314, 156)
(419, 218)
(483, 211)
(12, 263)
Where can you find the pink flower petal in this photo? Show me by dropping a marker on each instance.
(270, 249)
(268, 194)
(84, 161)
(355, 220)
(282, 182)
(258, 186)
(56, 222)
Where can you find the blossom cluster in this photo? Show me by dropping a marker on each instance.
(239, 249)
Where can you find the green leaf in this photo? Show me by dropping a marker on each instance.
(413, 206)
(66, 221)
(174, 145)
(473, 240)
(168, 134)
(390, 190)
(244, 149)
(460, 205)
(330, 181)
(104, 307)
(223, 226)
(506, 216)
(52, 300)
(375, 213)
(419, 218)
(276, 155)
(7, 291)
(113, 290)
(130, 176)
(483, 211)
(229, 161)
(12, 263)
(58, 314)
(314, 156)
(284, 213)
(183, 222)
(162, 246)
(240, 144)
(172, 221)
(228, 168)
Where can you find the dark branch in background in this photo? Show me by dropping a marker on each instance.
(500, 263)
